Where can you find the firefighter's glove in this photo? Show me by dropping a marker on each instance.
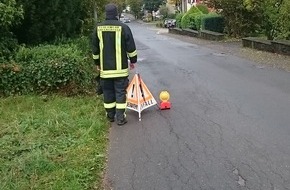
(132, 66)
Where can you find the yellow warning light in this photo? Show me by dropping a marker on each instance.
(164, 96)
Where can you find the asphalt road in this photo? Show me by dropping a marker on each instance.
(229, 126)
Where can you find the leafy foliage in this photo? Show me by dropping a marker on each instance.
(253, 17)
(178, 19)
(10, 15)
(35, 22)
(276, 18)
(152, 5)
(239, 21)
(8, 45)
(92, 11)
(171, 16)
(203, 8)
(47, 20)
(135, 6)
(164, 11)
(121, 4)
(212, 22)
(47, 68)
(188, 19)
(174, 2)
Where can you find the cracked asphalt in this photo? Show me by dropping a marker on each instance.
(228, 129)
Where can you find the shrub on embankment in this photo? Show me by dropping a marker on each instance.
(212, 22)
(62, 67)
(188, 20)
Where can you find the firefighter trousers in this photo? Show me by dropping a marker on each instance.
(114, 92)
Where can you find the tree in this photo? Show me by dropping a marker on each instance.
(177, 3)
(135, 6)
(164, 11)
(10, 15)
(45, 21)
(239, 20)
(92, 13)
(189, 18)
(152, 5)
(276, 18)
(121, 4)
(34, 21)
(99, 5)
(251, 17)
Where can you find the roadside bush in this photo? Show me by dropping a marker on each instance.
(164, 11)
(197, 21)
(178, 19)
(203, 8)
(242, 17)
(275, 19)
(8, 45)
(81, 43)
(11, 15)
(148, 18)
(194, 21)
(212, 22)
(46, 69)
(188, 19)
(159, 24)
(171, 16)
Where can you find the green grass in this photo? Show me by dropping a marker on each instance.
(52, 143)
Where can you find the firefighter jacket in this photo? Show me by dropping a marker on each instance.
(112, 45)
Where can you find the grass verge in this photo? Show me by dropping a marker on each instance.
(52, 142)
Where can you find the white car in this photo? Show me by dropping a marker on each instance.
(125, 20)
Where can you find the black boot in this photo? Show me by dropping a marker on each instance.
(122, 122)
(111, 119)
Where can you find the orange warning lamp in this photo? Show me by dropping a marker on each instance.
(164, 97)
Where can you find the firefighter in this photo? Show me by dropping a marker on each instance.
(112, 45)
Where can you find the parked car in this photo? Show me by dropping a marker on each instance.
(169, 23)
(125, 20)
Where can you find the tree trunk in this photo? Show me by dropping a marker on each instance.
(95, 13)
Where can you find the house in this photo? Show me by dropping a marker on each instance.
(171, 7)
(182, 5)
(187, 4)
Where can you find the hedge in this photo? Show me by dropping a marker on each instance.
(203, 8)
(188, 19)
(178, 19)
(212, 22)
(47, 68)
